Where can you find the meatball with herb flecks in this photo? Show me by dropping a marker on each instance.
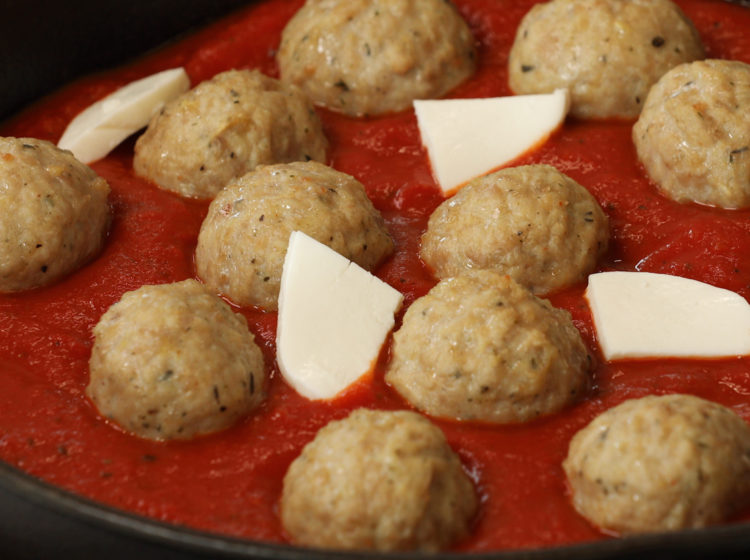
(225, 127)
(173, 361)
(54, 213)
(693, 136)
(242, 242)
(532, 222)
(368, 57)
(378, 480)
(481, 347)
(608, 53)
(660, 463)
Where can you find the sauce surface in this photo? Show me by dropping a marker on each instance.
(230, 482)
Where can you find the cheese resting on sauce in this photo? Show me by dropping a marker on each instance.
(647, 315)
(333, 319)
(99, 128)
(467, 138)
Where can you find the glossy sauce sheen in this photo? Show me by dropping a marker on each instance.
(230, 482)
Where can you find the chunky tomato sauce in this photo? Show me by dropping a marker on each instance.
(230, 482)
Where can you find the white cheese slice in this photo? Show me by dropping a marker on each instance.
(99, 128)
(647, 315)
(467, 138)
(333, 319)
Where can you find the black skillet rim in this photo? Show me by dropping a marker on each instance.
(156, 537)
(152, 538)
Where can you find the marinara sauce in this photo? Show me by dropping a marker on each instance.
(230, 482)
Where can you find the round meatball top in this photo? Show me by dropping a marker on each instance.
(54, 213)
(173, 361)
(225, 127)
(243, 240)
(608, 53)
(369, 57)
(378, 480)
(693, 136)
(660, 463)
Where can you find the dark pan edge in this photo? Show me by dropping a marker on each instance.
(48, 43)
(124, 534)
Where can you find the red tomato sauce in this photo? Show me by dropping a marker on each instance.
(230, 482)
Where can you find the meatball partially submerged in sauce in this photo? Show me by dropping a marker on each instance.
(608, 53)
(693, 136)
(173, 361)
(243, 240)
(368, 57)
(378, 480)
(53, 213)
(225, 127)
(481, 347)
(660, 463)
(532, 222)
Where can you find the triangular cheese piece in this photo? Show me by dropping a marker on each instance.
(468, 138)
(647, 315)
(333, 319)
(99, 128)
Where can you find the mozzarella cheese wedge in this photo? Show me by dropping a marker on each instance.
(646, 315)
(98, 129)
(467, 138)
(333, 319)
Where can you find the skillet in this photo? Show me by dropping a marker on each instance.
(45, 44)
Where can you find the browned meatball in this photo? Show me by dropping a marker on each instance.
(532, 222)
(367, 57)
(223, 128)
(607, 52)
(53, 213)
(174, 361)
(693, 136)
(660, 463)
(481, 347)
(243, 240)
(379, 480)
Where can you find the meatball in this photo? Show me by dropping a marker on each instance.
(242, 242)
(660, 463)
(693, 136)
(225, 127)
(54, 213)
(481, 347)
(532, 222)
(608, 53)
(173, 362)
(381, 480)
(368, 57)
